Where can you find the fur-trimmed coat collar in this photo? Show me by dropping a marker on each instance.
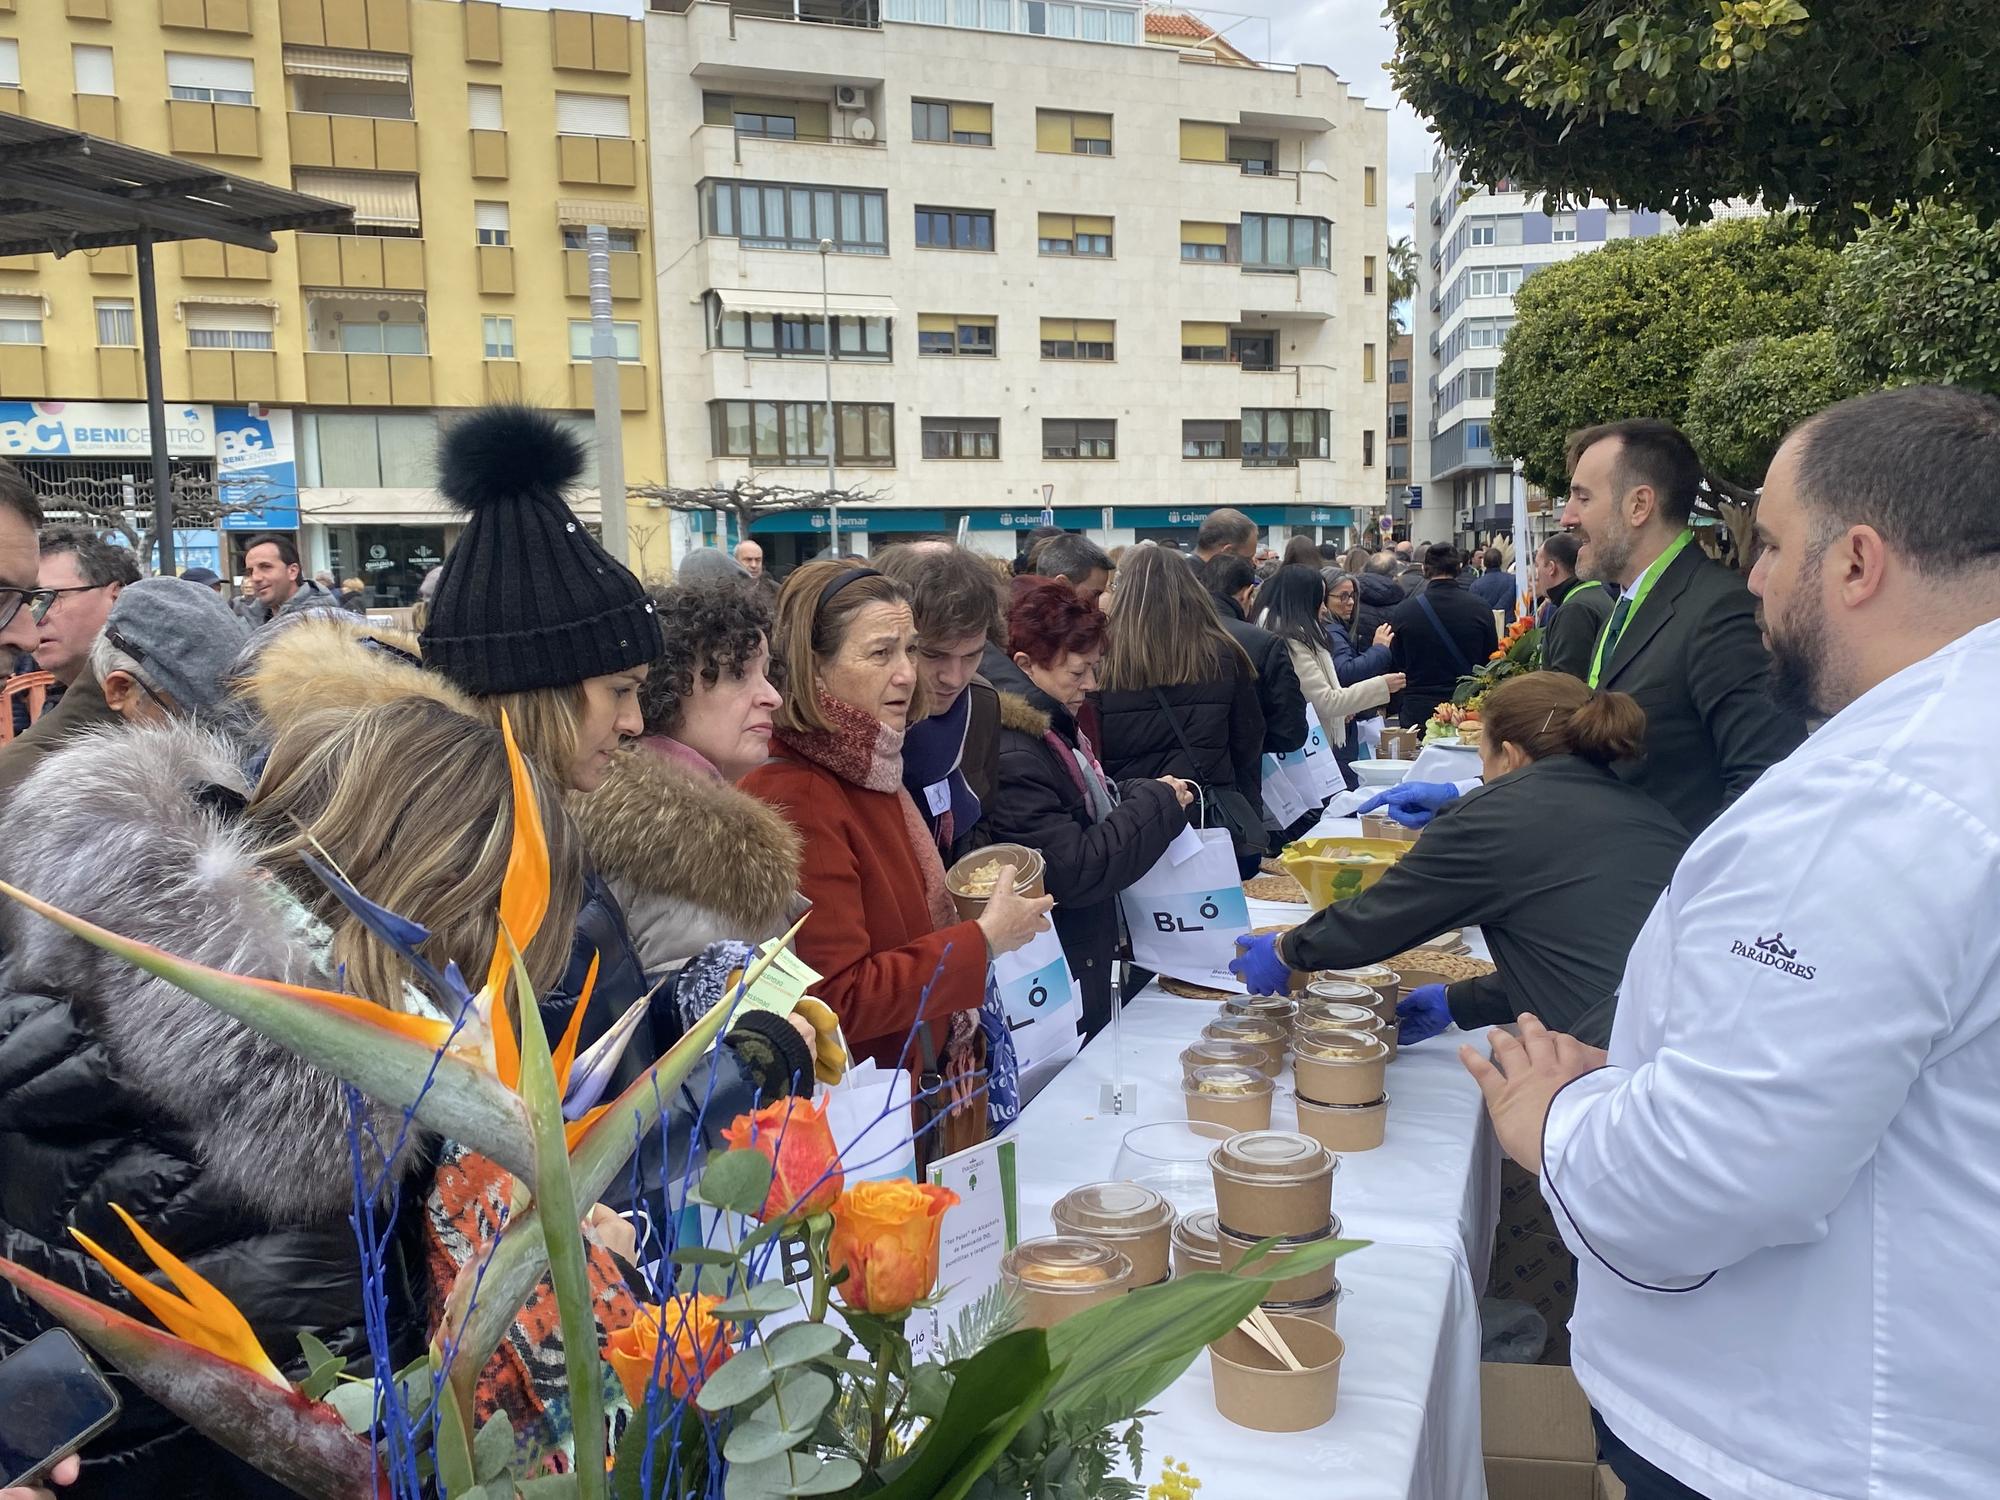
(692, 859)
(310, 663)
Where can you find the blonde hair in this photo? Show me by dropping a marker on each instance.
(1164, 630)
(412, 802)
(808, 634)
(547, 724)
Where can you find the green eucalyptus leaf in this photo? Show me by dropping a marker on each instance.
(548, 1487)
(354, 1402)
(756, 1440)
(737, 1181)
(802, 1395)
(703, 1255)
(834, 1476)
(772, 1477)
(761, 1299)
(493, 1448)
(796, 1343)
(744, 1378)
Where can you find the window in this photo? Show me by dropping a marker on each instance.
(955, 333)
(1495, 281)
(1399, 372)
(796, 216)
(222, 325)
(115, 328)
(211, 80)
(608, 115)
(1073, 234)
(482, 105)
(384, 334)
(1201, 240)
(1479, 385)
(951, 123)
(10, 63)
(1367, 187)
(1205, 343)
(1077, 338)
(954, 229)
(1482, 232)
(1254, 158)
(1206, 439)
(1367, 275)
(499, 337)
(1368, 448)
(1478, 435)
(577, 237)
(490, 223)
(1399, 419)
(344, 451)
(1063, 437)
(1278, 438)
(962, 437)
(788, 336)
(1367, 361)
(1562, 228)
(1280, 241)
(20, 319)
(1487, 333)
(625, 335)
(93, 70)
(1072, 134)
(777, 127)
(794, 432)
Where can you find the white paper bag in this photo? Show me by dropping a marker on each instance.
(869, 1114)
(1281, 795)
(1044, 1010)
(1186, 916)
(1312, 770)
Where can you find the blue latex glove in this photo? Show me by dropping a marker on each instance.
(1421, 1015)
(1258, 965)
(1412, 803)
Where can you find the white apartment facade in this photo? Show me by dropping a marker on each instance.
(1126, 280)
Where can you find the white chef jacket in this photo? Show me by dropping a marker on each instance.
(1784, 1192)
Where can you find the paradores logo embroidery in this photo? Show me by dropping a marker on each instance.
(1773, 953)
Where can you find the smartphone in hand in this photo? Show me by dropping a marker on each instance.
(53, 1400)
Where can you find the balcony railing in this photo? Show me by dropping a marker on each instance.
(800, 138)
(862, 13)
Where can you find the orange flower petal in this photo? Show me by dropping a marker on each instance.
(573, 1131)
(524, 893)
(565, 1053)
(428, 1030)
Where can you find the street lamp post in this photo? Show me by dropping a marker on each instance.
(826, 359)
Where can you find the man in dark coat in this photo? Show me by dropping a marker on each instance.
(1684, 638)
(1231, 580)
(1574, 609)
(1443, 633)
(1496, 586)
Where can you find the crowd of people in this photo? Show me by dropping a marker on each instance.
(1662, 863)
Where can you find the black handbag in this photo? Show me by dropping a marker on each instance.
(1222, 805)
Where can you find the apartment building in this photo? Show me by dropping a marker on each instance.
(1396, 427)
(1081, 258)
(474, 142)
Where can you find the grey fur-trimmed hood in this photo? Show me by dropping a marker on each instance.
(113, 828)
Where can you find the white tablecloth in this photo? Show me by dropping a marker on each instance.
(1444, 762)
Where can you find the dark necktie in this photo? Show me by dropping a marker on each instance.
(1615, 626)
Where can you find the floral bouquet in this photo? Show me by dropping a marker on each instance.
(728, 1382)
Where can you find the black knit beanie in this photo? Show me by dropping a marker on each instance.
(528, 599)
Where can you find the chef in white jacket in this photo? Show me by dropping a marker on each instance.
(1783, 1187)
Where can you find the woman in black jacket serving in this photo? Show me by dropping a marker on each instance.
(1556, 860)
(1096, 836)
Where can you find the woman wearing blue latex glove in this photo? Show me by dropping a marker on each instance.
(1412, 803)
(1422, 1014)
(1259, 966)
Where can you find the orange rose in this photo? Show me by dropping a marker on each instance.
(886, 1236)
(697, 1346)
(795, 1139)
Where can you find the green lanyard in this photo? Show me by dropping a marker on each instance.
(1607, 643)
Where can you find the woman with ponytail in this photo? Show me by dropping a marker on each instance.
(1555, 859)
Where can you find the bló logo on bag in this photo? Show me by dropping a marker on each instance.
(1773, 953)
(1166, 921)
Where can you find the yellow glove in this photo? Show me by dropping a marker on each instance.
(829, 1046)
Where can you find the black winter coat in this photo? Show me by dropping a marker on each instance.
(1219, 718)
(1089, 861)
(1278, 691)
(1432, 667)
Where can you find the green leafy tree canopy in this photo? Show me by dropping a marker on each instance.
(1917, 298)
(1746, 396)
(1842, 107)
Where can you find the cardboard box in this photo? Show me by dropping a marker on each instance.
(1538, 1439)
(1608, 1485)
(1530, 1262)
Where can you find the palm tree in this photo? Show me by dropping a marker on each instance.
(1402, 282)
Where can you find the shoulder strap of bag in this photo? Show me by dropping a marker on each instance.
(1194, 762)
(1457, 655)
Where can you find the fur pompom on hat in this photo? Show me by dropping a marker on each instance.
(527, 598)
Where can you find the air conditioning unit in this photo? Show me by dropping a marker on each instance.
(850, 96)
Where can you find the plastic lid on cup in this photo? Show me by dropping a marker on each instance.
(1338, 1018)
(1066, 1263)
(1341, 1046)
(1342, 991)
(1199, 1236)
(1252, 1029)
(1229, 1081)
(1277, 1008)
(1208, 1052)
(1112, 1208)
(1272, 1156)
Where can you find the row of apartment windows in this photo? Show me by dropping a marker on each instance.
(1474, 333)
(1466, 385)
(1088, 23)
(795, 433)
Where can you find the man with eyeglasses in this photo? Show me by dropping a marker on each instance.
(81, 576)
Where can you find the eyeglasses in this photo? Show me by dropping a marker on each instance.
(38, 601)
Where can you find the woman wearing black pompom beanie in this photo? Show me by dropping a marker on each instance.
(533, 617)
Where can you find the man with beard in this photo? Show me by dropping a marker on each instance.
(1682, 638)
(1777, 1181)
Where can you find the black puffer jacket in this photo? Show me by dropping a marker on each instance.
(1277, 684)
(116, 1088)
(1041, 803)
(1219, 718)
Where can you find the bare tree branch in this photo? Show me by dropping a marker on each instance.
(749, 498)
(112, 505)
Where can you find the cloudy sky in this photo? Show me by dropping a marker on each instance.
(1352, 38)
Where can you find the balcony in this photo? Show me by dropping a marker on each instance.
(377, 26)
(197, 128)
(353, 142)
(496, 269)
(626, 274)
(489, 153)
(22, 372)
(360, 261)
(232, 375)
(603, 161)
(217, 261)
(120, 375)
(1307, 293)
(97, 114)
(590, 43)
(335, 379)
(207, 15)
(755, 43)
(633, 385)
(502, 380)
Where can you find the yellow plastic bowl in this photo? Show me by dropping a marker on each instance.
(1331, 868)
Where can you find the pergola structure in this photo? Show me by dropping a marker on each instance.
(63, 190)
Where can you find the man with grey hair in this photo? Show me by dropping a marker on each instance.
(1077, 561)
(166, 650)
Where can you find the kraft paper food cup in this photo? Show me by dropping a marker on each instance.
(1059, 1276)
(1274, 1008)
(1133, 1220)
(1208, 1053)
(1236, 1097)
(1380, 981)
(1254, 1389)
(1028, 866)
(1345, 1127)
(1322, 1310)
(1273, 1182)
(1195, 1246)
(1232, 1247)
(1318, 1018)
(1269, 1037)
(1340, 1067)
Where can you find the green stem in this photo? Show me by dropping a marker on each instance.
(817, 1229)
(878, 1405)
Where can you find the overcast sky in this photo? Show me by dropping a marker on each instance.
(1351, 37)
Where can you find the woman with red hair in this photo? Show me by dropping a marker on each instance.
(1096, 836)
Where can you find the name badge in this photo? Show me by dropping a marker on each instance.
(938, 795)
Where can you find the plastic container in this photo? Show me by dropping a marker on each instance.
(1171, 1158)
(1195, 1247)
(1269, 1036)
(1379, 825)
(1207, 1053)
(1254, 1389)
(1273, 1182)
(1059, 1276)
(1232, 1096)
(1028, 866)
(1321, 1310)
(1333, 868)
(1340, 1067)
(1345, 1127)
(1380, 980)
(1274, 1008)
(1132, 1219)
(1318, 1019)
(1232, 1247)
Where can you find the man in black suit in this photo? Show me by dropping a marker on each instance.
(1683, 639)
(1575, 610)
(1231, 580)
(1442, 633)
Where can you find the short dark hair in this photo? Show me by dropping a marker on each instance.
(17, 495)
(288, 549)
(1563, 549)
(1069, 556)
(954, 590)
(1650, 452)
(1919, 463)
(1442, 561)
(1224, 528)
(709, 628)
(100, 562)
(1228, 574)
(1492, 559)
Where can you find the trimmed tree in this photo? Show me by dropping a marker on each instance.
(1917, 298)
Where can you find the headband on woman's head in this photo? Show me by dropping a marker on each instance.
(840, 581)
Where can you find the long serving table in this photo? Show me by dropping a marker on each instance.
(1408, 1419)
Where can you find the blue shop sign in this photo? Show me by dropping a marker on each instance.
(808, 520)
(1319, 515)
(1191, 516)
(1027, 518)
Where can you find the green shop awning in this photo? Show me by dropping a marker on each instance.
(1150, 516)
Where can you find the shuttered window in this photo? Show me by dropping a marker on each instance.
(21, 319)
(379, 199)
(490, 220)
(594, 114)
(1201, 240)
(1205, 343)
(220, 325)
(1069, 133)
(211, 80)
(93, 70)
(1201, 141)
(957, 334)
(1074, 234)
(482, 104)
(1078, 338)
